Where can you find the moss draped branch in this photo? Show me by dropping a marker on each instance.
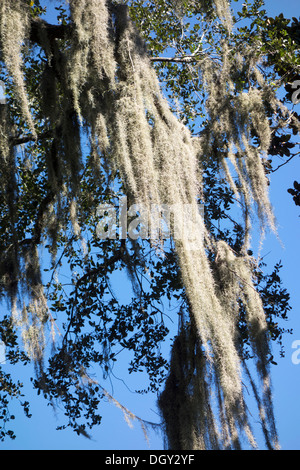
(39, 27)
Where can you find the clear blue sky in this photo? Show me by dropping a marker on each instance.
(39, 432)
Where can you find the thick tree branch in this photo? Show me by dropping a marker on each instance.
(40, 27)
(30, 138)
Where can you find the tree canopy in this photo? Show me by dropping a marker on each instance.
(142, 111)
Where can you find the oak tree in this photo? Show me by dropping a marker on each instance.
(158, 106)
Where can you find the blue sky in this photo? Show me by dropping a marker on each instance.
(39, 432)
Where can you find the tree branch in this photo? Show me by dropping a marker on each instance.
(184, 60)
(39, 222)
(30, 138)
(287, 161)
(39, 27)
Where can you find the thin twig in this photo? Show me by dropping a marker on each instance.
(289, 159)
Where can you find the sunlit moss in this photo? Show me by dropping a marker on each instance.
(14, 27)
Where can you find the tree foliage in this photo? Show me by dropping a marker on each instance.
(85, 123)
